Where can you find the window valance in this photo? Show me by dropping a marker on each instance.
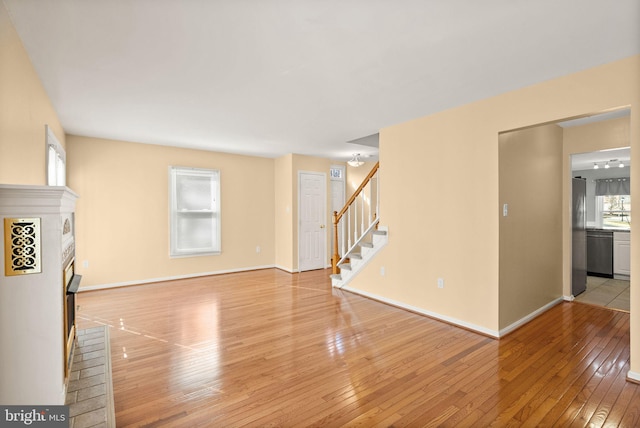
(613, 186)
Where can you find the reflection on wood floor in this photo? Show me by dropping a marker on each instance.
(268, 348)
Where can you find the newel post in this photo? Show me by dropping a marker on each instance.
(336, 256)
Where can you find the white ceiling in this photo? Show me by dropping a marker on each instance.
(271, 77)
(583, 161)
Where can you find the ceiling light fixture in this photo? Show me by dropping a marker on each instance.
(355, 160)
(620, 163)
(608, 164)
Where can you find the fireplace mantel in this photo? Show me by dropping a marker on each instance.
(32, 304)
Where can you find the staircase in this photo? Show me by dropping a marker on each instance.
(359, 257)
(356, 232)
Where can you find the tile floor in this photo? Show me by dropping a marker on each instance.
(611, 293)
(90, 392)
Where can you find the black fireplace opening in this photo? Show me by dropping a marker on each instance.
(72, 289)
(70, 333)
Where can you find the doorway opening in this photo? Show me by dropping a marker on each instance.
(603, 161)
(535, 232)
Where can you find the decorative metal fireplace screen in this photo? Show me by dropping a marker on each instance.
(22, 246)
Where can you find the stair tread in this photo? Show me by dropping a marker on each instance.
(356, 260)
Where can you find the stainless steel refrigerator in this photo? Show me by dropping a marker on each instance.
(578, 237)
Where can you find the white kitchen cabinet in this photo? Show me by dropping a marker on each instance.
(621, 255)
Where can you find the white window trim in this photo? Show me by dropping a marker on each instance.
(599, 208)
(216, 248)
(56, 172)
(343, 170)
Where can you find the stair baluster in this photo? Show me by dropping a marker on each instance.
(353, 239)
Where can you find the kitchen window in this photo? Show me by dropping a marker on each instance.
(614, 211)
(194, 211)
(613, 203)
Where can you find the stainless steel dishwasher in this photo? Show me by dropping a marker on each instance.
(600, 253)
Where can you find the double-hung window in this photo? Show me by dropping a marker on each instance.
(195, 211)
(614, 211)
(613, 202)
(56, 160)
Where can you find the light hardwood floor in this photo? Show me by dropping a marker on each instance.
(268, 348)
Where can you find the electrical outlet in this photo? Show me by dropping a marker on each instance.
(382, 271)
(258, 249)
(440, 282)
(85, 264)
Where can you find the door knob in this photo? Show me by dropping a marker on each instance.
(322, 226)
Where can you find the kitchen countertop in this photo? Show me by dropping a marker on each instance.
(607, 230)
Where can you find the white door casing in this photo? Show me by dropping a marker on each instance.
(312, 224)
(338, 190)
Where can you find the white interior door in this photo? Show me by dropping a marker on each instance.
(312, 236)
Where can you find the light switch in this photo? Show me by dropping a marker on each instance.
(505, 210)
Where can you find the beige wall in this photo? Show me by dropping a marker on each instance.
(284, 203)
(530, 183)
(122, 215)
(606, 134)
(25, 109)
(287, 169)
(613, 133)
(444, 221)
(355, 176)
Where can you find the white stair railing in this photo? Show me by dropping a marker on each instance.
(358, 217)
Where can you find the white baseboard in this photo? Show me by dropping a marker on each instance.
(635, 377)
(449, 320)
(568, 298)
(171, 278)
(532, 315)
(286, 269)
(455, 321)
